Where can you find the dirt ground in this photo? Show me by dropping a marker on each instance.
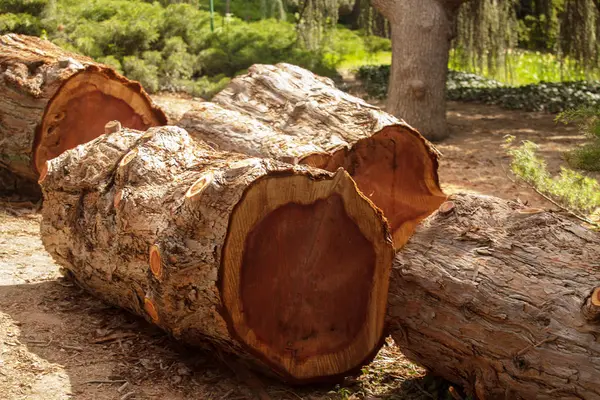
(57, 342)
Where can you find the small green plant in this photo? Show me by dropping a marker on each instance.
(572, 191)
(587, 156)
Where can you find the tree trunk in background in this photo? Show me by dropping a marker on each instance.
(421, 35)
(501, 299)
(294, 115)
(52, 100)
(287, 266)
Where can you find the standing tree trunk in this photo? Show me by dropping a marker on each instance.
(421, 35)
(502, 300)
(288, 113)
(284, 265)
(52, 100)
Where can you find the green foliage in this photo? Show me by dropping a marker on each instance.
(346, 47)
(112, 61)
(528, 67)
(168, 45)
(32, 7)
(587, 156)
(142, 71)
(574, 191)
(20, 23)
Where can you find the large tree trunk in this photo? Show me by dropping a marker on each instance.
(52, 100)
(290, 114)
(421, 35)
(501, 299)
(285, 265)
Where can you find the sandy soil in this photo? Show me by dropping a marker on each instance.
(57, 342)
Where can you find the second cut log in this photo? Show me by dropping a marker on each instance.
(290, 114)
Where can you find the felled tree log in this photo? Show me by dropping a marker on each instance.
(501, 299)
(303, 118)
(52, 100)
(285, 266)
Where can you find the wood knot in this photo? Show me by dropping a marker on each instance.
(68, 62)
(155, 262)
(151, 310)
(418, 88)
(127, 158)
(446, 208)
(112, 127)
(200, 184)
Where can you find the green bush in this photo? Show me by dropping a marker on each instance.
(142, 71)
(32, 7)
(587, 156)
(577, 193)
(112, 61)
(169, 45)
(25, 24)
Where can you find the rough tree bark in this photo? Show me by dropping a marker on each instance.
(52, 100)
(284, 265)
(290, 114)
(501, 299)
(421, 34)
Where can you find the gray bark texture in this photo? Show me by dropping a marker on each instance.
(421, 34)
(32, 73)
(501, 299)
(306, 106)
(156, 223)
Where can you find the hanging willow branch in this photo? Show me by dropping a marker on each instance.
(579, 32)
(486, 29)
(315, 19)
(372, 21)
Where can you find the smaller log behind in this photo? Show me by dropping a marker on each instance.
(290, 114)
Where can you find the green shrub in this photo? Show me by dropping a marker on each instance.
(574, 191)
(20, 23)
(168, 45)
(587, 156)
(142, 71)
(112, 62)
(32, 7)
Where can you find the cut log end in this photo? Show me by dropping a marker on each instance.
(199, 185)
(397, 171)
(81, 108)
(304, 277)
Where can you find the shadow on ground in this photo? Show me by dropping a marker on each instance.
(59, 342)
